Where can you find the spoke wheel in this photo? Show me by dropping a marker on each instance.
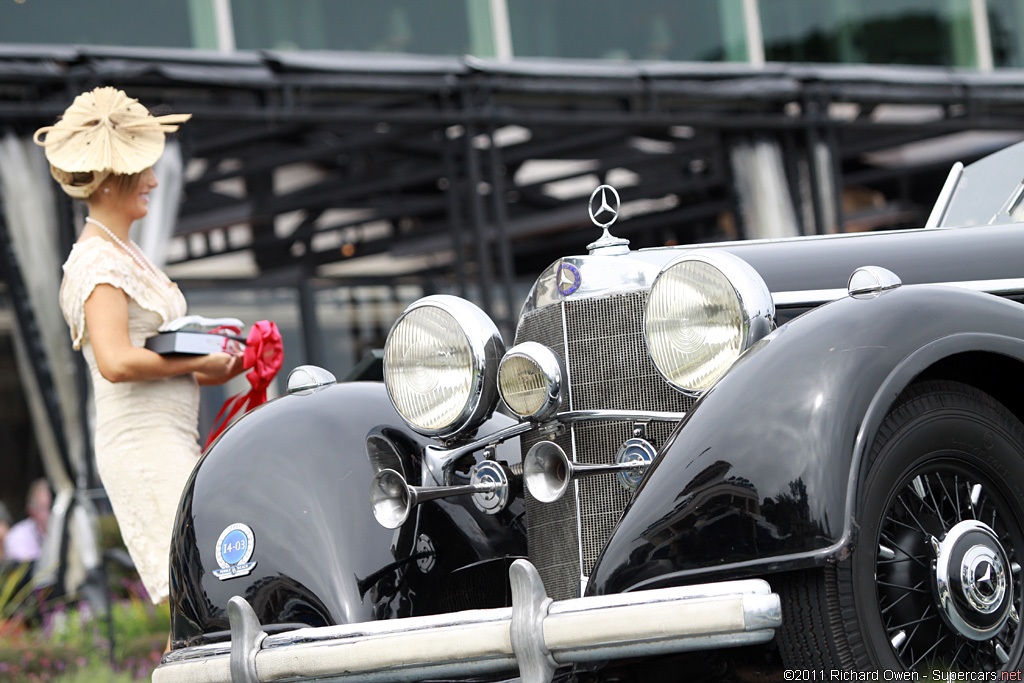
(934, 580)
(945, 570)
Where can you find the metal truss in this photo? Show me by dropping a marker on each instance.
(478, 171)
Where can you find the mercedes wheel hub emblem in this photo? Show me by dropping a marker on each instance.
(983, 580)
(972, 583)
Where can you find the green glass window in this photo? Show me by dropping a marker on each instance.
(167, 23)
(1006, 26)
(928, 32)
(439, 27)
(695, 30)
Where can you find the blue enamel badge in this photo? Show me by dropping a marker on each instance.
(234, 550)
(569, 279)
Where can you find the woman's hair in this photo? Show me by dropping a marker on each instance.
(127, 183)
(123, 184)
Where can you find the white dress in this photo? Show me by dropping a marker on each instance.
(146, 439)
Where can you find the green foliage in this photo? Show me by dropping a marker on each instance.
(96, 673)
(13, 590)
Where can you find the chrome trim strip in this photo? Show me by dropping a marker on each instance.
(1005, 286)
(807, 297)
(574, 416)
(439, 461)
(663, 620)
(817, 297)
(938, 213)
(577, 512)
(198, 652)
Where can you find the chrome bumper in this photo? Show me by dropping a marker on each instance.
(533, 637)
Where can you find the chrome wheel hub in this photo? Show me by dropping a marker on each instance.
(972, 580)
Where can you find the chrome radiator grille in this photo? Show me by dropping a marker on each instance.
(601, 341)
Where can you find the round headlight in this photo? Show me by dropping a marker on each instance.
(530, 380)
(703, 311)
(440, 365)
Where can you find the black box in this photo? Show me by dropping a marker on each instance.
(196, 343)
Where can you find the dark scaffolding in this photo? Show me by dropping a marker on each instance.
(485, 167)
(435, 149)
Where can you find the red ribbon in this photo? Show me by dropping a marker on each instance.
(264, 354)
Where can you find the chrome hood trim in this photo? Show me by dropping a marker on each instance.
(603, 276)
(600, 276)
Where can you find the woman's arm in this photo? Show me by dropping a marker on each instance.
(206, 380)
(106, 318)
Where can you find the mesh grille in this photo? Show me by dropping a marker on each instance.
(552, 538)
(609, 368)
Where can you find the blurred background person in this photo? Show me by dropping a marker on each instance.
(24, 541)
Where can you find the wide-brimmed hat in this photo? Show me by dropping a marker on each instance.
(103, 131)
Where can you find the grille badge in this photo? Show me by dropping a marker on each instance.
(569, 279)
(639, 452)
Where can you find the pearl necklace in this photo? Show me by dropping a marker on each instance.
(136, 253)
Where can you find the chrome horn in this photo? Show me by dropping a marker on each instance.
(392, 498)
(547, 470)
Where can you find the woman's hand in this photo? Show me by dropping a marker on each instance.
(218, 368)
(106, 318)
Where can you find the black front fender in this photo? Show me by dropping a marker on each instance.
(296, 473)
(762, 474)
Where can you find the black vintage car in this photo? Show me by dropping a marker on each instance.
(812, 446)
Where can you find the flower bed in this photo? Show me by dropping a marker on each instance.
(56, 639)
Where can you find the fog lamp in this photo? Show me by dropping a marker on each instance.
(530, 379)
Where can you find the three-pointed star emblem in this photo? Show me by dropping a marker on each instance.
(569, 279)
(607, 207)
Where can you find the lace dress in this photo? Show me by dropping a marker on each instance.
(146, 438)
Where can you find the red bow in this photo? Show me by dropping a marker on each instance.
(264, 354)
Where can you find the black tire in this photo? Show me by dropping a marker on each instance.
(939, 442)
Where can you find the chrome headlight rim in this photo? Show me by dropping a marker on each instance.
(486, 349)
(552, 370)
(752, 294)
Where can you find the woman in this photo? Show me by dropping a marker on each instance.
(102, 150)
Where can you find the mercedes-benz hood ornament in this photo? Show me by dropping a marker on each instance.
(604, 210)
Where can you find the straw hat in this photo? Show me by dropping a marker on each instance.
(103, 131)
